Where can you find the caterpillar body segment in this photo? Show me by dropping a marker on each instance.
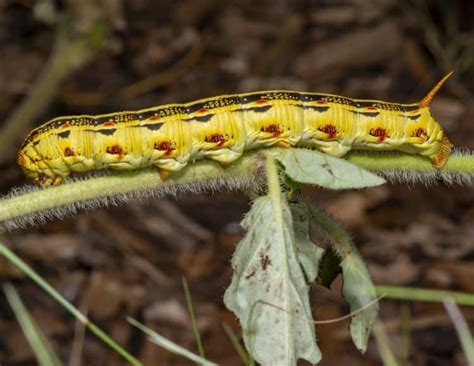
(222, 128)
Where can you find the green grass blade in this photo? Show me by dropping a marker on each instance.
(17, 261)
(383, 345)
(244, 356)
(462, 329)
(192, 316)
(41, 348)
(169, 345)
(422, 294)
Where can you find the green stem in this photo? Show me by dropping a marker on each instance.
(36, 206)
(19, 263)
(421, 294)
(397, 162)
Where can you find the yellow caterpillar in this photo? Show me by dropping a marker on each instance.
(221, 128)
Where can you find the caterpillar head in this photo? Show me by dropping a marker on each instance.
(28, 165)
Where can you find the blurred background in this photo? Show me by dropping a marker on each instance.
(91, 56)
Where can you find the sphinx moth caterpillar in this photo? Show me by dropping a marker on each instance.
(221, 128)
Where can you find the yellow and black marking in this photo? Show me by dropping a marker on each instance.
(221, 128)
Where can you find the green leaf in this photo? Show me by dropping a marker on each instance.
(267, 270)
(309, 255)
(313, 167)
(358, 289)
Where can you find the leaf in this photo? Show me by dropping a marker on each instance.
(313, 167)
(267, 270)
(309, 255)
(358, 290)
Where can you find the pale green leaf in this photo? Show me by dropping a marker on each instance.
(267, 270)
(313, 167)
(358, 290)
(309, 255)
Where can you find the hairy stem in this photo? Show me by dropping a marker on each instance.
(28, 206)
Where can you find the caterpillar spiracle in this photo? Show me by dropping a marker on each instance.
(222, 128)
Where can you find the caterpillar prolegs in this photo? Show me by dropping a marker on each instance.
(223, 127)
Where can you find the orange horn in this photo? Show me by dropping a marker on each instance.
(425, 102)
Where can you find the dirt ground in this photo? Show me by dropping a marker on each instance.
(129, 260)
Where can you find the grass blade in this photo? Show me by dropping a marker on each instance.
(422, 294)
(462, 329)
(383, 345)
(244, 356)
(169, 345)
(189, 304)
(41, 348)
(17, 261)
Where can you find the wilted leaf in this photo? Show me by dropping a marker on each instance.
(267, 270)
(358, 289)
(313, 167)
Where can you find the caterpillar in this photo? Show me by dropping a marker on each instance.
(222, 128)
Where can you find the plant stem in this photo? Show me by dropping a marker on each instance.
(37, 206)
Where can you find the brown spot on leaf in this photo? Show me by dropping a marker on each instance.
(250, 274)
(265, 261)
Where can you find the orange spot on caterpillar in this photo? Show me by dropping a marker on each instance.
(372, 108)
(164, 146)
(331, 130)
(260, 101)
(216, 138)
(155, 117)
(68, 151)
(108, 123)
(202, 110)
(379, 132)
(273, 129)
(116, 150)
(420, 132)
(65, 125)
(321, 102)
